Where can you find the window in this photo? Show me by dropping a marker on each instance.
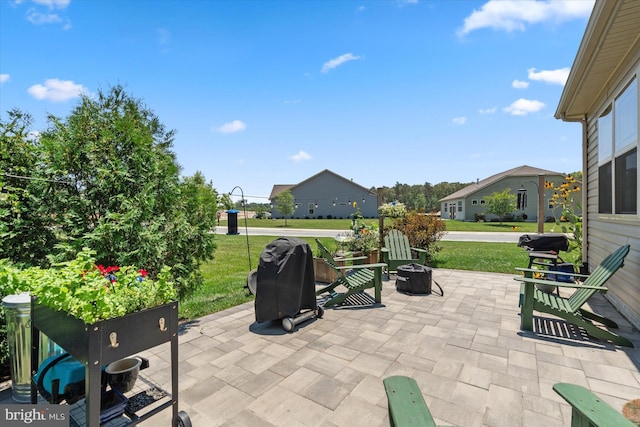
(482, 202)
(460, 206)
(627, 182)
(311, 208)
(474, 202)
(618, 154)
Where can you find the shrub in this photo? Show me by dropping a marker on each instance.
(423, 231)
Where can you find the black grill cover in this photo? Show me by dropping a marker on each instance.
(286, 281)
(544, 242)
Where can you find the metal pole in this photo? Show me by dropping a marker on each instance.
(380, 223)
(541, 203)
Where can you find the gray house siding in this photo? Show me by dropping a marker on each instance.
(605, 232)
(329, 195)
(607, 61)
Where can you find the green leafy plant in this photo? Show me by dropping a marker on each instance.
(570, 222)
(423, 231)
(89, 292)
(365, 237)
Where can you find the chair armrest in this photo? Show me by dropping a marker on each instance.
(558, 272)
(419, 250)
(561, 284)
(355, 258)
(586, 406)
(385, 250)
(359, 266)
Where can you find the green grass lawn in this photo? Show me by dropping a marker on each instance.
(344, 224)
(226, 275)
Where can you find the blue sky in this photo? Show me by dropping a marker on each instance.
(273, 92)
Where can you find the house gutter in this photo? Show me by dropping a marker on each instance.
(584, 208)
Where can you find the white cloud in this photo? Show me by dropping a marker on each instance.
(491, 110)
(522, 107)
(515, 15)
(335, 62)
(558, 76)
(459, 120)
(33, 135)
(232, 127)
(54, 4)
(4, 78)
(301, 156)
(519, 84)
(57, 90)
(39, 18)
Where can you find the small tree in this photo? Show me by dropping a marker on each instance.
(501, 204)
(285, 204)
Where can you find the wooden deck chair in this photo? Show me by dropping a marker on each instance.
(355, 278)
(587, 409)
(397, 251)
(407, 407)
(570, 309)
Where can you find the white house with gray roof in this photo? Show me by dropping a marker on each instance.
(468, 203)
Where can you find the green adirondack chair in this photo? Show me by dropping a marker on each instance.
(397, 251)
(355, 278)
(588, 410)
(407, 407)
(570, 309)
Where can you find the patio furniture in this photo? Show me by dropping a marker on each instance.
(589, 410)
(570, 309)
(355, 278)
(406, 404)
(397, 251)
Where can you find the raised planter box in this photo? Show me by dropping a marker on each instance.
(103, 342)
(324, 273)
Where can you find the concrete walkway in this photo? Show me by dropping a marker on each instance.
(474, 365)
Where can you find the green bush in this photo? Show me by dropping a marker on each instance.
(423, 231)
(105, 178)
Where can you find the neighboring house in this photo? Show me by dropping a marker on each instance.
(327, 195)
(468, 203)
(601, 93)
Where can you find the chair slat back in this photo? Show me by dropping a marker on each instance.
(328, 259)
(398, 245)
(599, 277)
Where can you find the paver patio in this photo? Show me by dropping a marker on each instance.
(465, 349)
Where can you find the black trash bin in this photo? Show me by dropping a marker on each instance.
(232, 221)
(285, 282)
